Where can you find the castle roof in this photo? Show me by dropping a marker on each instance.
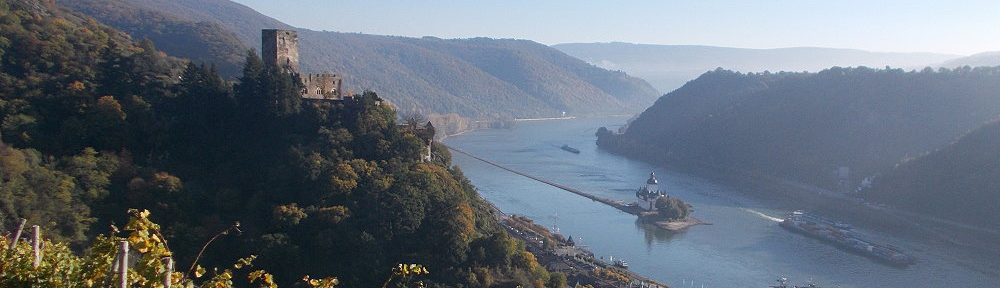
(646, 194)
(650, 192)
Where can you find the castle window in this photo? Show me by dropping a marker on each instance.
(319, 91)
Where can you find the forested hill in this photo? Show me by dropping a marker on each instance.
(93, 124)
(960, 181)
(201, 41)
(472, 77)
(803, 126)
(668, 67)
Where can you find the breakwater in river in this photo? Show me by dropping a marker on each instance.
(613, 203)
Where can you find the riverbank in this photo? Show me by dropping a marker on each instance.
(452, 125)
(680, 225)
(545, 119)
(669, 225)
(972, 247)
(561, 255)
(460, 132)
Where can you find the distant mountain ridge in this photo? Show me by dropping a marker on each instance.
(976, 60)
(668, 67)
(480, 77)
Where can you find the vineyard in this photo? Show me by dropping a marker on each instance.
(137, 256)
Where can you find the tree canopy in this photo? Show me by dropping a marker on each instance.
(94, 124)
(672, 208)
(804, 126)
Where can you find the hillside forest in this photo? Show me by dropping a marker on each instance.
(476, 78)
(95, 123)
(803, 127)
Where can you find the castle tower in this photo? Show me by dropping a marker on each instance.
(652, 185)
(280, 48)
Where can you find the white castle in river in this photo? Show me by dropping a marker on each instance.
(648, 194)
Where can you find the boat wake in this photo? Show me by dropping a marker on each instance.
(762, 215)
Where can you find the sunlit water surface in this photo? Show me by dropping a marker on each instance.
(743, 248)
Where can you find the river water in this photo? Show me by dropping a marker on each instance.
(743, 248)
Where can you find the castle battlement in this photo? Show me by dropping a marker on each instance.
(322, 86)
(280, 48)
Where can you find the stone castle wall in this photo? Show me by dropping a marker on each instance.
(322, 86)
(280, 48)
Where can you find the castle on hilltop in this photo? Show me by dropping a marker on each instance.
(280, 49)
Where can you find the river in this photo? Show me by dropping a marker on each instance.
(743, 248)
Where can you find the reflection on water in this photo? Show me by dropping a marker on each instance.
(743, 248)
(653, 234)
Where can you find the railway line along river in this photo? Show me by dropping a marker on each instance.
(744, 248)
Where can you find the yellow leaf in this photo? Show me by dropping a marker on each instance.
(199, 271)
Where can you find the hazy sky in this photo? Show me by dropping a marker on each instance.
(955, 26)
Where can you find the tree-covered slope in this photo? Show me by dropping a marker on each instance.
(668, 67)
(93, 124)
(960, 181)
(473, 77)
(803, 126)
(204, 42)
(67, 85)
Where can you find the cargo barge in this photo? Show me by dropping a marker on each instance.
(570, 149)
(841, 235)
